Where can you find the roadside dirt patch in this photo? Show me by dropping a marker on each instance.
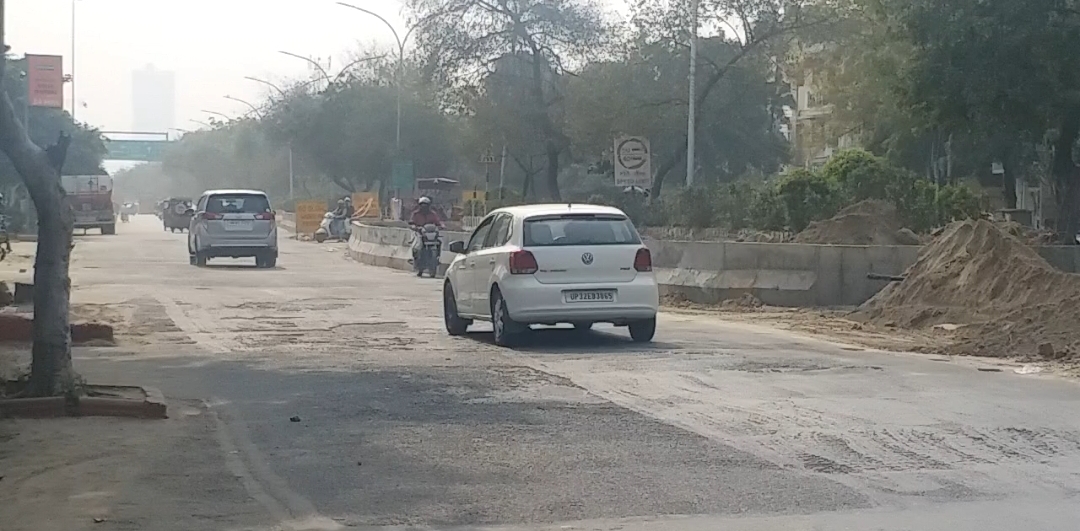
(869, 222)
(1008, 301)
(831, 325)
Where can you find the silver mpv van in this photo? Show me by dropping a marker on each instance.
(233, 224)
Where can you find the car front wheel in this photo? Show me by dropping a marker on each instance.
(643, 331)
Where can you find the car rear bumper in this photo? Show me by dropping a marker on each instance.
(238, 247)
(531, 302)
(239, 252)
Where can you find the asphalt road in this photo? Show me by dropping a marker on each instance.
(715, 425)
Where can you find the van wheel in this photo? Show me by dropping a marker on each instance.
(200, 259)
(643, 331)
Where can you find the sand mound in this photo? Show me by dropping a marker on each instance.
(1014, 302)
(869, 222)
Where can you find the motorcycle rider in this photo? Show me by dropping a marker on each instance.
(341, 215)
(423, 215)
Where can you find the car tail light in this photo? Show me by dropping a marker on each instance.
(265, 216)
(211, 216)
(523, 263)
(643, 260)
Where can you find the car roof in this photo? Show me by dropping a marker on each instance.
(238, 192)
(528, 211)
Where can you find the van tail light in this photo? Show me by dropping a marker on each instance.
(523, 263)
(265, 216)
(643, 260)
(210, 216)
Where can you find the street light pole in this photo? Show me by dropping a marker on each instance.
(401, 42)
(318, 66)
(265, 82)
(73, 76)
(253, 108)
(691, 118)
(221, 114)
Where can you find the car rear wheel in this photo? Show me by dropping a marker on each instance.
(643, 331)
(266, 261)
(455, 325)
(200, 259)
(506, 329)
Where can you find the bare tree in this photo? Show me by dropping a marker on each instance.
(51, 372)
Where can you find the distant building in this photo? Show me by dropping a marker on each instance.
(153, 99)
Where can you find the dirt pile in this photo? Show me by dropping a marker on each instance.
(869, 222)
(1012, 302)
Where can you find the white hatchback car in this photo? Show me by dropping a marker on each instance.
(551, 264)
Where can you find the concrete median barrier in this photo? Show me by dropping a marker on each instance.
(392, 246)
(779, 274)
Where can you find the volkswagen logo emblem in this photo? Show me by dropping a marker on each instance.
(587, 258)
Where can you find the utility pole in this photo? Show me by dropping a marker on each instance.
(73, 100)
(691, 119)
(502, 173)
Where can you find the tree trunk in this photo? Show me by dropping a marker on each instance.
(552, 172)
(51, 371)
(1065, 176)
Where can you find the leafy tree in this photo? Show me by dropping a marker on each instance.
(1000, 65)
(464, 40)
(762, 28)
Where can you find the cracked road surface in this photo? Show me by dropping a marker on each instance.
(714, 426)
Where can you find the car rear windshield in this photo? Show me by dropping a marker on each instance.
(579, 229)
(238, 204)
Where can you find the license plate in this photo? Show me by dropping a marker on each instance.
(603, 295)
(237, 225)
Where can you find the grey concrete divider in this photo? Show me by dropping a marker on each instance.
(392, 246)
(781, 274)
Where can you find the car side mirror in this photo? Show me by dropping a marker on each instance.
(457, 247)
(189, 212)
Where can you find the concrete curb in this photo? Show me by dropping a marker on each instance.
(151, 406)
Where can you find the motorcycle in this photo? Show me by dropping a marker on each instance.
(429, 249)
(123, 217)
(329, 228)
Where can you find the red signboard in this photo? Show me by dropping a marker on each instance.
(45, 80)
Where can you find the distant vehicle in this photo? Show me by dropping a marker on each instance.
(90, 199)
(176, 213)
(233, 224)
(552, 264)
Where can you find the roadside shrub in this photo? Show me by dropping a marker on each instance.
(766, 209)
(860, 175)
(694, 208)
(808, 196)
(957, 202)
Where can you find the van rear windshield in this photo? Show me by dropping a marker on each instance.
(579, 229)
(237, 204)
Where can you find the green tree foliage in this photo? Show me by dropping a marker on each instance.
(999, 65)
(464, 39)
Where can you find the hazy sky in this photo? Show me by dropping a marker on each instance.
(210, 44)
